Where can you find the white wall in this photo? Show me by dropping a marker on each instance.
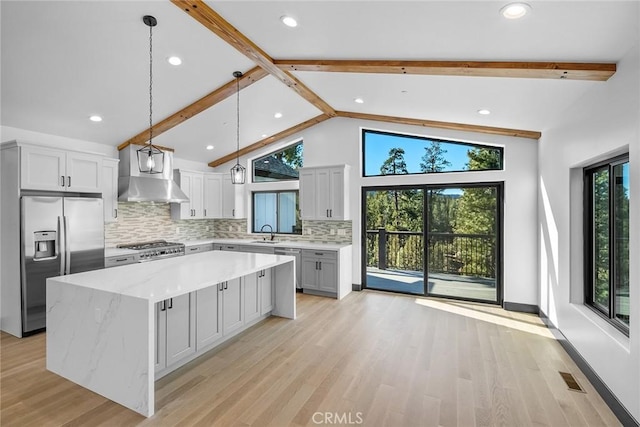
(603, 123)
(22, 135)
(337, 141)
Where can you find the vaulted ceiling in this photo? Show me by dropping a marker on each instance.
(415, 61)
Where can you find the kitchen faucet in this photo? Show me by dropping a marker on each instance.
(271, 232)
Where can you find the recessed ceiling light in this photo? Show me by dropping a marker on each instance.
(95, 118)
(264, 135)
(289, 21)
(209, 147)
(174, 60)
(359, 101)
(277, 115)
(484, 112)
(515, 10)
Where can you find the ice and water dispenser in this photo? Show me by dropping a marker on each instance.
(45, 245)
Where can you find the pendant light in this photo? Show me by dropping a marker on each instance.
(150, 157)
(237, 172)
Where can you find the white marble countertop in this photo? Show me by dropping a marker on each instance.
(279, 244)
(167, 278)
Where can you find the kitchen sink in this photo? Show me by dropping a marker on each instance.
(269, 242)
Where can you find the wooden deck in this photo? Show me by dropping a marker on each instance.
(440, 284)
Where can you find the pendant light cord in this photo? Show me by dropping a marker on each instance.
(238, 119)
(150, 85)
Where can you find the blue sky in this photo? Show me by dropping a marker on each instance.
(378, 146)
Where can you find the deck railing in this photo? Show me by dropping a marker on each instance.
(451, 253)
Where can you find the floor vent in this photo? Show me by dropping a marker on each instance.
(571, 382)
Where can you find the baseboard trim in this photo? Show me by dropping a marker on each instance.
(609, 398)
(523, 308)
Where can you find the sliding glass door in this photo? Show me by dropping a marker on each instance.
(449, 234)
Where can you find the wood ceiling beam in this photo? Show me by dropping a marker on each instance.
(530, 70)
(270, 140)
(207, 101)
(202, 13)
(443, 125)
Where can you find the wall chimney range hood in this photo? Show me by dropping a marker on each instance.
(134, 186)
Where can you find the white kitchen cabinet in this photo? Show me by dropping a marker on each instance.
(252, 306)
(212, 195)
(320, 271)
(114, 261)
(44, 168)
(265, 285)
(324, 193)
(208, 316)
(194, 249)
(110, 189)
(192, 184)
(232, 207)
(232, 306)
(175, 330)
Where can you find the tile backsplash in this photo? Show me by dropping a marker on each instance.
(145, 221)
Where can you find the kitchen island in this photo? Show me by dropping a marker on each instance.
(102, 325)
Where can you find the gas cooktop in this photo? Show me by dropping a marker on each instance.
(155, 249)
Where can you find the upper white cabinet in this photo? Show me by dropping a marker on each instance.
(192, 183)
(212, 195)
(58, 170)
(110, 189)
(324, 193)
(232, 207)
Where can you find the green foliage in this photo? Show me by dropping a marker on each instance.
(433, 159)
(291, 156)
(483, 159)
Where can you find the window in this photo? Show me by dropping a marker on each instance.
(279, 166)
(607, 240)
(279, 209)
(394, 154)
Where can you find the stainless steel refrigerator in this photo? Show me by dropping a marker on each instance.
(60, 235)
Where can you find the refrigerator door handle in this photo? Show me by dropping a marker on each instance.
(67, 246)
(60, 249)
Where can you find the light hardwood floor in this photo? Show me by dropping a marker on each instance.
(372, 359)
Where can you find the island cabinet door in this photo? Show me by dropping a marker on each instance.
(328, 276)
(161, 337)
(181, 337)
(232, 306)
(251, 296)
(208, 316)
(266, 291)
(310, 273)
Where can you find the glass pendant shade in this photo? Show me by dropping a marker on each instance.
(150, 159)
(237, 174)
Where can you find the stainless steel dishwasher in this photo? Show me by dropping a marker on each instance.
(296, 253)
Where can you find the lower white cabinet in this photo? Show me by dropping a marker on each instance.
(320, 271)
(192, 324)
(258, 299)
(175, 330)
(220, 311)
(265, 285)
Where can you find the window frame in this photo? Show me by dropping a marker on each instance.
(286, 147)
(276, 192)
(589, 245)
(364, 131)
